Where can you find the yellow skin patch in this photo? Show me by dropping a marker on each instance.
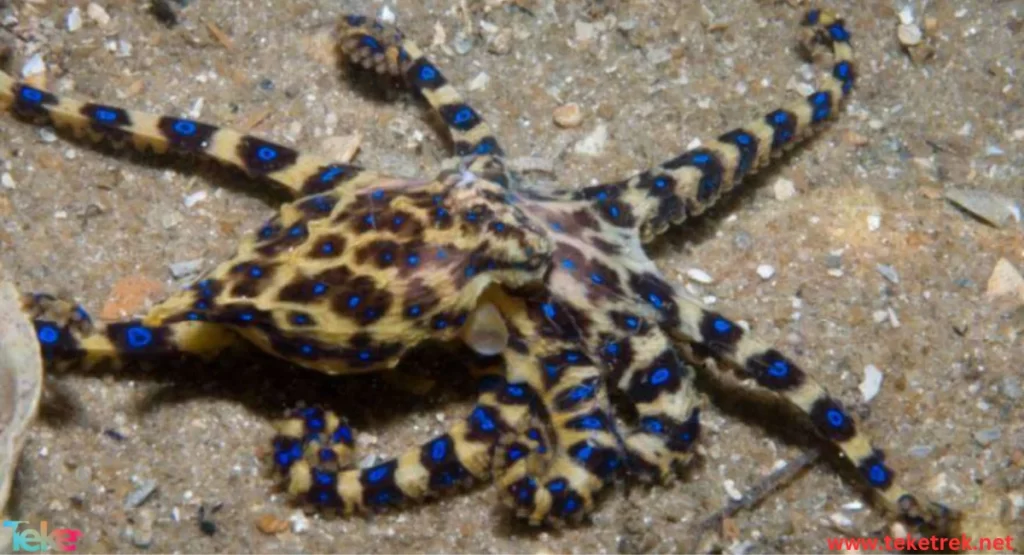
(360, 267)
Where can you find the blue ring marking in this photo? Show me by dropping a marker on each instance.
(652, 425)
(779, 369)
(743, 139)
(514, 454)
(397, 221)
(354, 300)
(266, 232)
(603, 195)
(515, 390)
(838, 32)
(331, 173)
(612, 349)
(584, 453)
(596, 278)
(470, 271)
(377, 195)
(440, 324)
(813, 16)
(591, 423)
(613, 211)
(413, 259)
(327, 455)
(568, 264)
(342, 435)
(572, 356)
(660, 183)
(844, 72)
(655, 300)
(48, 334)
(485, 422)
(549, 310)
(300, 319)
(256, 272)
(387, 257)
(31, 95)
(878, 474)
(660, 376)
(441, 212)
(246, 316)
(184, 127)
(370, 43)
(463, 115)
(377, 474)
(194, 316)
(306, 349)
(570, 505)
(414, 310)
(779, 117)
(105, 115)
(499, 227)
(201, 304)
(138, 337)
(428, 73)
(322, 204)
(471, 217)
(266, 153)
(722, 325)
(821, 107)
(319, 288)
(484, 147)
(369, 220)
(327, 248)
(438, 450)
(581, 392)
(295, 230)
(556, 226)
(835, 418)
(700, 158)
(365, 355)
(557, 485)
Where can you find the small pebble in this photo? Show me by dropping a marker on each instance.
(74, 19)
(700, 276)
(186, 268)
(270, 524)
(479, 82)
(594, 143)
(463, 43)
(993, 208)
(500, 43)
(139, 495)
(888, 272)
(987, 436)
(195, 198)
(34, 66)
(909, 34)
(142, 531)
(880, 316)
(921, 451)
(784, 189)
(568, 115)
(1005, 280)
(853, 506)
(386, 15)
(731, 491)
(97, 14)
(7, 182)
(766, 271)
(743, 240)
(871, 383)
(874, 222)
(299, 522)
(1011, 387)
(841, 521)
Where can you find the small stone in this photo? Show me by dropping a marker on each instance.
(7, 182)
(906, 15)
(74, 19)
(987, 436)
(479, 82)
(463, 43)
(97, 14)
(299, 522)
(47, 134)
(931, 24)
(195, 198)
(142, 531)
(880, 316)
(594, 143)
(853, 506)
(993, 208)
(731, 491)
(34, 66)
(909, 34)
(501, 42)
(784, 189)
(568, 115)
(700, 276)
(841, 521)
(921, 451)
(386, 15)
(270, 524)
(186, 268)
(139, 495)
(1011, 387)
(585, 32)
(874, 222)
(888, 272)
(342, 148)
(1005, 280)
(834, 261)
(871, 383)
(766, 271)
